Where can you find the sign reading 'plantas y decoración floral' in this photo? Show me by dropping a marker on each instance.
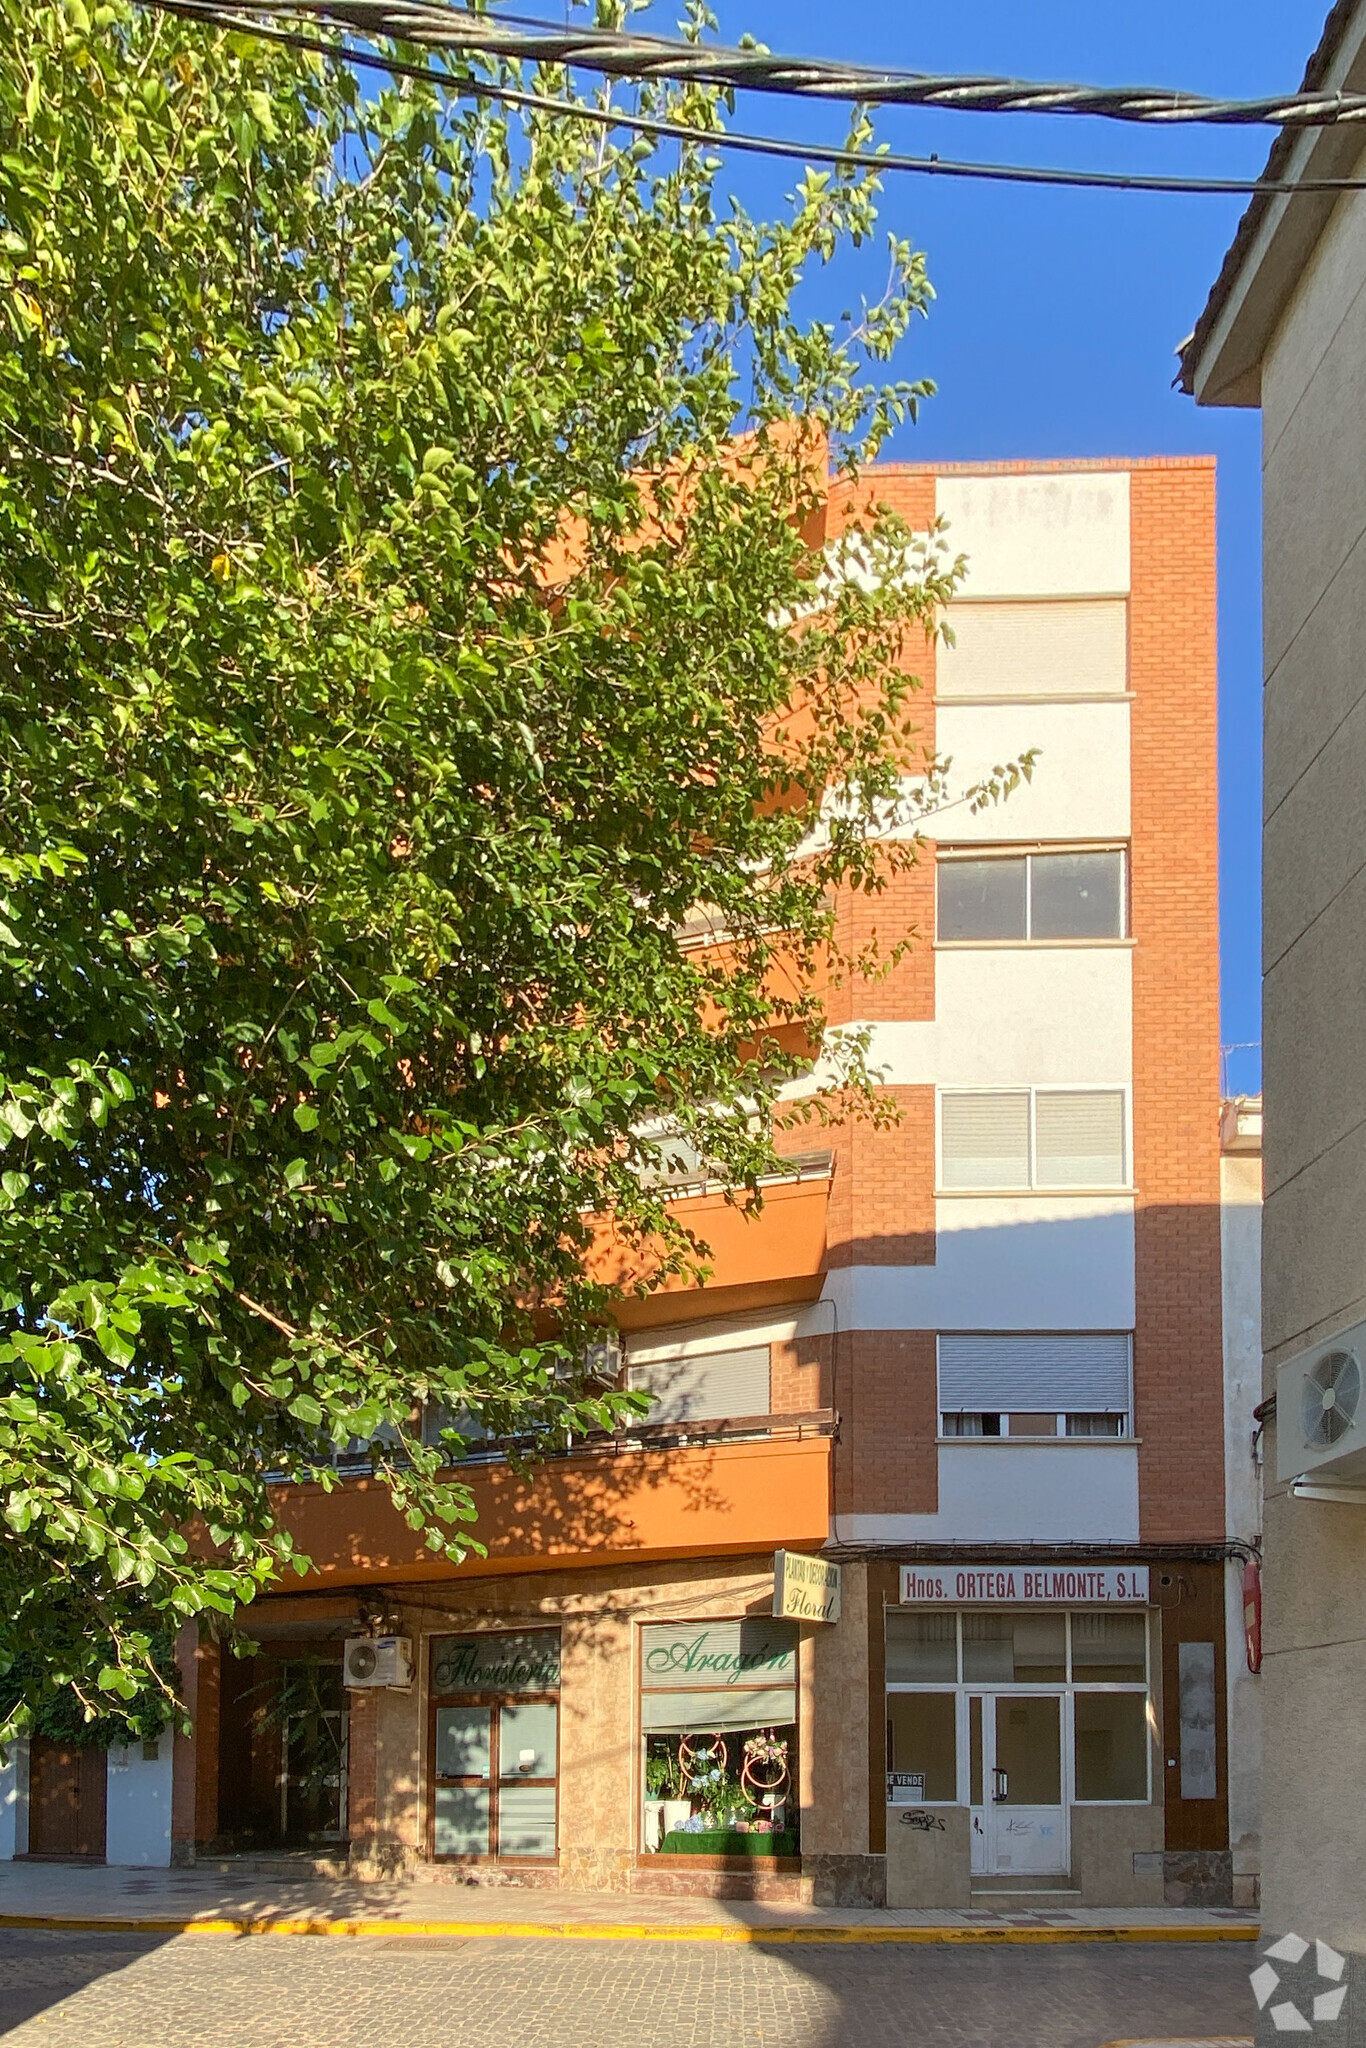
(805, 1588)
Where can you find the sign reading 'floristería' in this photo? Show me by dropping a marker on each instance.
(502, 1660)
(805, 1588)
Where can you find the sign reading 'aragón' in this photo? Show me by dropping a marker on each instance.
(1023, 1585)
(684, 1656)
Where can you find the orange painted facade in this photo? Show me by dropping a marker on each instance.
(639, 1506)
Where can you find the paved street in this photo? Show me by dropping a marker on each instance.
(222, 1991)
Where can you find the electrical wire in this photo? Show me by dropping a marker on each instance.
(616, 54)
(245, 18)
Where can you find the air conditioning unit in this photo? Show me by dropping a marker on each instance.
(1321, 1410)
(602, 1361)
(377, 1660)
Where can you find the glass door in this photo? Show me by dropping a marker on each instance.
(464, 1785)
(527, 1743)
(496, 1769)
(1015, 1764)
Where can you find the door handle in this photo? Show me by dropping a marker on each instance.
(1001, 1788)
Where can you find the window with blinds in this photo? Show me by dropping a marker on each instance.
(985, 1140)
(1079, 1373)
(712, 1386)
(1079, 1139)
(999, 1139)
(1054, 648)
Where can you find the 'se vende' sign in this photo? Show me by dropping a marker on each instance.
(961, 1585)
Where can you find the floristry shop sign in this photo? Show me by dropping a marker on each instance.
(689, 1655)
(805, 1588)
(502, 1660)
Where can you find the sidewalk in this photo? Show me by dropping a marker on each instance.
(95, 1899)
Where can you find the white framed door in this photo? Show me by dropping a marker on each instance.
(1017, 1797)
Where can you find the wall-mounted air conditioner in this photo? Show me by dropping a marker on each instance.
(1321, 1411)
(377, 1660)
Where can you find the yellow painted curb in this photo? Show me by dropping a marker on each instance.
(564, 1930)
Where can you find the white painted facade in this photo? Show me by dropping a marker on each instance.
(1041, 665)
(138, 1805)
(1004, 1014)
(1079, 787)
(1064, 534)
(1005, 1262)
(1019, 1490)
(14, 1802)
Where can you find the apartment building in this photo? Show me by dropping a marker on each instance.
(973, 1359)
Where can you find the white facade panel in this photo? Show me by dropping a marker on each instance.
(1064, 534)
(1030, 1491)
(138, 1809)
(1046, 1014)
(1080, 785)
(1064, 647)
(1030, 1262)
(14, 1802)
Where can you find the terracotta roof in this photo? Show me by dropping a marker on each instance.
(1277, 163)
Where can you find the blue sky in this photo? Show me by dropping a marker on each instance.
(1058, 312)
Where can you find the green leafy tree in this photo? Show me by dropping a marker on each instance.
(396, 647)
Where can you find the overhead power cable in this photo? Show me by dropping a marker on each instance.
(617, 54)
(246, 16)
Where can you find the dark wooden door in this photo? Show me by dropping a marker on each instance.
(66, 1800)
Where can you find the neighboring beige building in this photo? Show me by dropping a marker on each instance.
(1285, 329)
(1240, 1212)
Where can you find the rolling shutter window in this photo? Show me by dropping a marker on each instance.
(743, 1707)
(1079, 1139)
(1049, 649)
(1040, 1375)
(985, 1140)
(713, 1386)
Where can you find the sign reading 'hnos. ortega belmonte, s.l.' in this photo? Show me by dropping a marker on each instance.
(1022, 1584)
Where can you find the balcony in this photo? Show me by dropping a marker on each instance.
(669, 1490)
(760, 1259)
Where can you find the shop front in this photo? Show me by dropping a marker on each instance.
(640, 1730)
(719, 1720)
(1030, 1741)
(494, 1744)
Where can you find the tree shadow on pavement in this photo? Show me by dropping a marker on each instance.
(39, 1967)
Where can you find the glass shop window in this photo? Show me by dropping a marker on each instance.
(495, 1745)
(922, 1747)
(1109, 1649)
(1021, 1649)
(1111, 1745)
(718, 1711)
(921, 1648)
